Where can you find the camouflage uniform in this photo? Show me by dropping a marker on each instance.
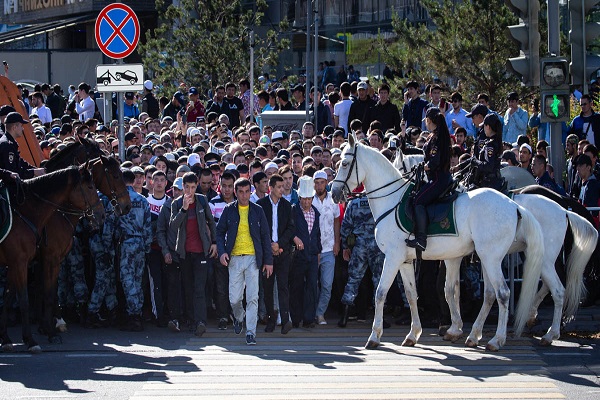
(358, 220)
(72, 287)
(135, 233)
(102, 250)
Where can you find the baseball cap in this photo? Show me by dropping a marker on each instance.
(148, 85)
(178, 183)
(129, 95)
(6, 109)
(14, 117)
(193, 90)
(320, 175)
(193, 159)
(277, 135)
(528, 147)
(264, 139)
(362, 85)
(179, 97)
(478, 109)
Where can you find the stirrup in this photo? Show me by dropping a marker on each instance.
(416, 243)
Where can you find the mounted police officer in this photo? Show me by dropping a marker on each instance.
(487, 161)
(437, 167)
(358, 221)
(10, 158)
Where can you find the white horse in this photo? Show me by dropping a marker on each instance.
(487, 222)
(555, 222)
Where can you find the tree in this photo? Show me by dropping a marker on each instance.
(206, 42)
(468, 41)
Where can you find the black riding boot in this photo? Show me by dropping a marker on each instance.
(344, 319)
(420, 240)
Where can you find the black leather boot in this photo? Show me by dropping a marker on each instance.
(271, 323)
(344, 319)
(420, 240)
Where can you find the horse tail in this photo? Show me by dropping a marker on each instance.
(585, 238)
(529, 229)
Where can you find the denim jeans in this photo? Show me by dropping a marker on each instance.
(326, 272)
(243, 273)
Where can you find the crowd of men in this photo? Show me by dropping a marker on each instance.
(232, 222)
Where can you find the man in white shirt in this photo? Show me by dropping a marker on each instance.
(341, 109)
(84, 104)
(329, 222)
(40, 109)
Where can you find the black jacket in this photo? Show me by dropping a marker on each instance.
(311, 240)
(10, 158)
(387, 114)
(359, 110)
(286, 228)
(150, 105)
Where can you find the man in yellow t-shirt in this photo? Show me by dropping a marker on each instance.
(244, 246)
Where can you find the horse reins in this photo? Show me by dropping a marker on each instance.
(114, 200)
(407, 176)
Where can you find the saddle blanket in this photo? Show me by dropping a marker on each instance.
(444, 225)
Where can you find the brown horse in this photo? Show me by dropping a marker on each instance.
(108, 178)
(70, 190)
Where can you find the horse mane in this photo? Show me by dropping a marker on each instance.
(66, 157)
(381, 157)
(63, 158)
(52, 182)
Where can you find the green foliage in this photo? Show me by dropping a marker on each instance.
(468, 42)
(206, 42)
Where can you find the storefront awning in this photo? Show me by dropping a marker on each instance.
(38, 29)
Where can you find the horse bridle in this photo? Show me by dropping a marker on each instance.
(88, 212)
(114, 199)
(346, 188)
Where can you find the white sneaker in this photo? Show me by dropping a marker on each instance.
(321, 320)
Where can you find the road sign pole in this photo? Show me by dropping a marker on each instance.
(121, 108)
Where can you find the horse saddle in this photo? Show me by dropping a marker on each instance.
(438, 210)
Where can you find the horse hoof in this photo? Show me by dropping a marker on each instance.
(443, 329)
(8, 348)
(35, 349)
(56, 339)
(371, 344)
(408, 343)
(471, 343)
(545, 342)
(491, 347)
(451, 338)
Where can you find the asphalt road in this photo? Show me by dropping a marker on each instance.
(325, 362)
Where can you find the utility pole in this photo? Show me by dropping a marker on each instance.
(316, 63)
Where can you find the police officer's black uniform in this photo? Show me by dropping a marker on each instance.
(10, 158)
(488, 163)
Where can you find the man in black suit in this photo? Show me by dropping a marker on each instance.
(281, 224)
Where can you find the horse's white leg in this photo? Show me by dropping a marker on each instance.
(553, 283)
(539, 297)
(452, 293)
(407, 272)
(388, 275)
(489, 295)
(493, 266)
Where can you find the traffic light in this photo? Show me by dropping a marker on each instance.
(583, 64)
(528, 36)
(554, 86)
